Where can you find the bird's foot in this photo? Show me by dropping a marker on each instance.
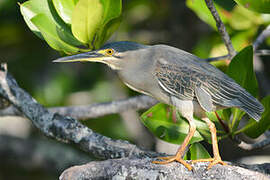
(213, 161)
(171, 159)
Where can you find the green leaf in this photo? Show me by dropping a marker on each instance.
(254, 129)
(161, 121)
(64, 8)
(243, 19)
(112, 10)
(241, 70)
(86, 19)
(212, 116)
(111, 20)
(108, 30)
(93, 21)
(32, 8)
(242, 38)
(64, 30)
(261, 6)
(50, 33)
(197, 151)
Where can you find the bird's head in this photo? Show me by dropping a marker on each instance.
(114, 54)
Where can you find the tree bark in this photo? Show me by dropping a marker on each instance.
(126, 168)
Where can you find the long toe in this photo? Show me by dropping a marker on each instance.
(184, 163)
(171, 159)
(216, 161)
(202, 160)
(165, 158)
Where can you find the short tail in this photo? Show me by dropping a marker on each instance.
(250, 105)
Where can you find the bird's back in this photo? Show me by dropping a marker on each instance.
(186, 76)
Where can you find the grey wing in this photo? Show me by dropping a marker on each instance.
(227, 93)
(173, 81)
(207, 85)
(183, 83)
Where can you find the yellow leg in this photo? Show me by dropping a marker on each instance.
(179, 155)
(217, 158)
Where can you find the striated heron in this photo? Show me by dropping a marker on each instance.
(178, 78)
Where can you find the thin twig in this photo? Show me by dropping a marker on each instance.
(221, 28)
(258, 145)
(217, 58)
(264, 34)
(262, 52)
(224, 126)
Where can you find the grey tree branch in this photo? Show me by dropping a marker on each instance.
(261, 52)
(126, 168)
(221, 28)
(94, 110)
(29, 154)
(258, 145)
(253, 146)
(97, 110)
(65, 129)
(217, 58)
(264, 34)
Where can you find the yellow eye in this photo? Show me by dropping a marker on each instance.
(109, 51)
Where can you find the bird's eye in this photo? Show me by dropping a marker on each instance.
(109, 51)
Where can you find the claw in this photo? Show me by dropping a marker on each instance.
(171, 159)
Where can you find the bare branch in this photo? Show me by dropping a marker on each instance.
(126, 168)
(217, 58)
(97, 110)
(221, 28)
(258, 145)
(262, 52)
(264, 34)
(65, 129)
(29, 154)
(85, 112)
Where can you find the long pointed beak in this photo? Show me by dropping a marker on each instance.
(92, 56)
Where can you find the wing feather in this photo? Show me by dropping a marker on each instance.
(182, 81)
(179, 73)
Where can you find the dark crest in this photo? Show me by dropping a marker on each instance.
(123, 46)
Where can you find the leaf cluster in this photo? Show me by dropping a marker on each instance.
(72, 26)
